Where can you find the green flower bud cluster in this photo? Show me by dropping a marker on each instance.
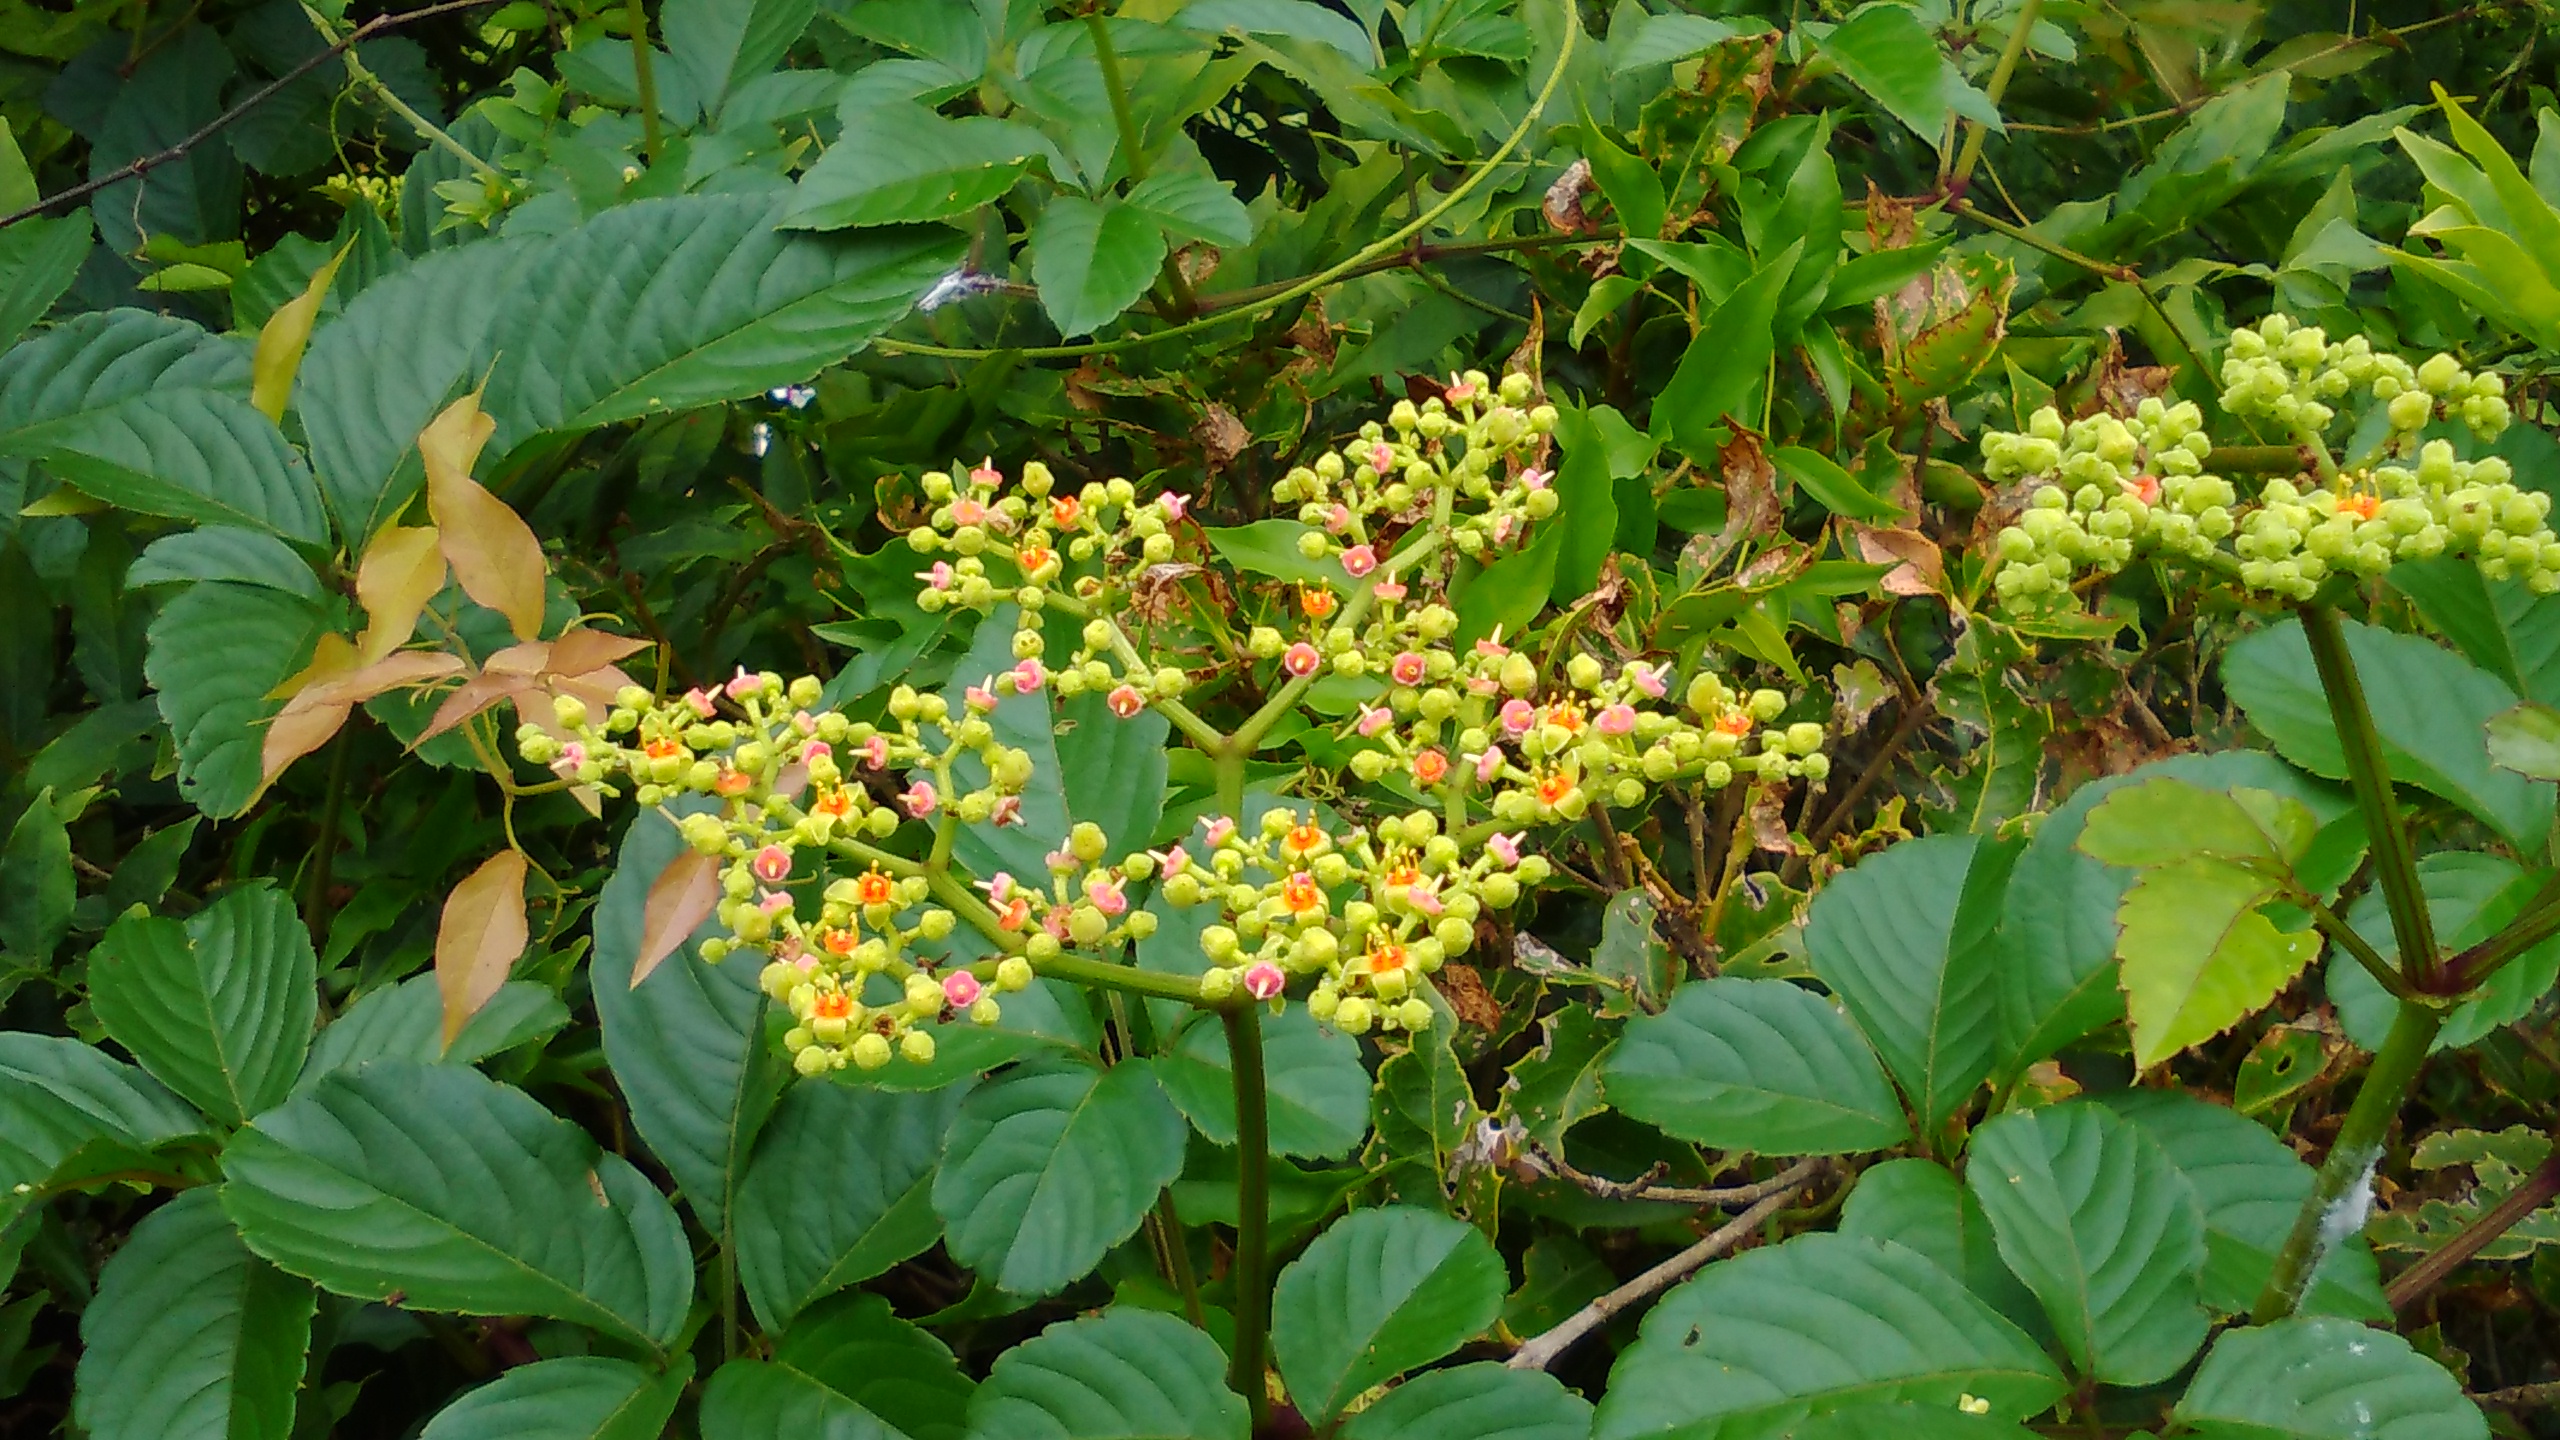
(2127, 485)
(1472, 449)
(2295, 375)
(1082, 904)
(1369, 915)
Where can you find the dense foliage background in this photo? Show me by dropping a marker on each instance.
(729, 277)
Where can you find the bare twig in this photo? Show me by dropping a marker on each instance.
(1647, 1186)
(1544, 1350)
(378, 25)
(2522, 1397)
(2411, 1285)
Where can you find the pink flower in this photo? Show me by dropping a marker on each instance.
(1504, 848)
(985, 473)
(572, 756)
(920, 799)
(1424, 895)
(1174, 506)
(1263, 980)
(939, 576)
(1647, 678)
(968, 510)
(1487, 762)
(979, 696)
(1460, 391)
(804, 722)
(1408, 668)
(875, 751)
(1338, 519)
(772, 864)
(1172, 861)
(1501, 528)
(1106, 895)
(700, 700)
(999, 889)
(1518, 715)
(1125, 701)
(1028, 676)
(1359, 560)
(1055, 922)
(1615, 719)
(1535, 478)
(1008, 810)
(1373, 718)
(1381, 458)
(1221, 830)
(742, 684)
(1060, 860)
(773, 902)
(1389, 591)
(1491, 646)
(1300, 659)
(960, 989)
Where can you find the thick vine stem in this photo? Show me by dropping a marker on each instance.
(1998, 85)
(1253, 1206)
(2395, 860)
(2341, 1192)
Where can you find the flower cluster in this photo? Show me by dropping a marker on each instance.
(1369, 914)
(1474, 441)
(2122, 485)
(1083, 902)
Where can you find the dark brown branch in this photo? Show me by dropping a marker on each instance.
(2539, 1189)
(378, 25)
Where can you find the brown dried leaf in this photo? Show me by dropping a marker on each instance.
(493, 552)
(1890, 222)
(1769, 821)
(481, 934)
(1221, 435)
(1920, 570)
(1750, 498)
(403, 569)
(680, 899)
(1563, 205)
(1468, 998)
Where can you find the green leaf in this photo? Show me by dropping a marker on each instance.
(1633, 189)
(39, 259)
(224, 552)
(1664, 39)
(1192, 205)
(576, 1397)
(2324, 1380)
(1763, 1340)
(213, 652)
(1907, 1422)
(37, 890)
(439, 1184)
(1318, 1090)
(1381, 1292)
(1124, 1374)
(1607, 294)
(2163, 821)
(2526, 740)
(1884, 50)
(1558, 1085)
(191, 1337)
(1270, 547)
(2503, 626)
(1297, 19)
(1423, 1103)
(152, 414)
(1725, 366)
(1885, 937)
(2428, 703)
(2198, 956)
(840, 1189)
(61, 1099)
(726, 43)
(688, 1045)
(406, 1022)
(2251, 1186)
(1835, 489)
(1507, 594)
(901, 163)
(2057, 934)
(1475, 1402)
(219, 1008)
(2470, 897)
(1631, 952)
(1092, 260)
(2103, 1228)
(18, 188)
(708, 301)
(1050, 1166)
(1920, 1205)
(846, 1368)
(394, 357)
(1587, 511)
(1758, 1065)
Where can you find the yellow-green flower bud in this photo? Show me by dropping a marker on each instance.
(1013, 973)
(1583, 670)
(871, 1051)
(917, 1046)
(1351, 1016)
(812, 1061)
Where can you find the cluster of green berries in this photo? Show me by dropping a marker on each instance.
(1474, 442)
(1369, 915)
(2123, 485)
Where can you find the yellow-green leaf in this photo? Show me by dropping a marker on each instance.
(492, 551)
(2198, 956)
(403, 569)
(2165, 820)
(280, 341)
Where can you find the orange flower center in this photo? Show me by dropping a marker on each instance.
(834, 1005)
(1032, 558)
(665, 747)
(734, 782)
(1430, 767)
(835, 804)
(1064, 510)
(840, 942)
(1301, 894)
(1317, 603)
(2363, 507)
(1555, 787)
(874, 889)
(1736, 723)
(1566, 716)
(1303, 838)
(1385, 956)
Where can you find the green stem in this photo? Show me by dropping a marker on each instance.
(1994, 89)
(2395, 860)
(1230, 775)
(2347, 938)
(2328, 1209)
(2034, 241)
(644, 72)
(2539, 922)
(1253, 1207)
(1128, 979)
(1178, 1254)
(1250, 733)
(1118, 90)
(426, 129)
